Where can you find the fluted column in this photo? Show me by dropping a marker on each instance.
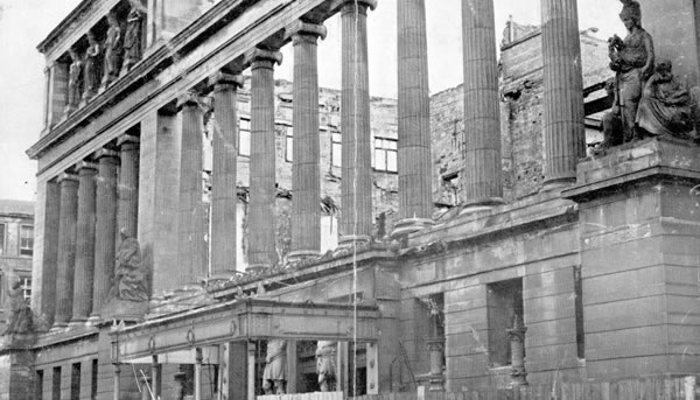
(223, 179)
(49, 268)
(482, 157)
(564, 134)
(128, 208)
(85, 245)
(415, 158)
(191, 217)
(66, 249)
(356, 183)
(105, 227)
(306, 174)
(261, 211)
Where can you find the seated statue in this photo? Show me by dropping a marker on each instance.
(666, 105)
(130, 275)
(275, 373)
(20, 320)
(325, 364)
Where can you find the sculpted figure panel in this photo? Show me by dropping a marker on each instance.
(113, 50)
(130, 274)
(132, 38)
(20, 320)
(325, 364)
(91, 76)
(75, 81)
(275, 373)
(632, 59)
(666, 105)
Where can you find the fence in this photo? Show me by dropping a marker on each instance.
(636, 389)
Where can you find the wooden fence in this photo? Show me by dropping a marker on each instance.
(636, 389)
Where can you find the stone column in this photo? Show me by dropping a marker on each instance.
(482, 132)
(564, 134)
(306, 174)
(261, 211)
(47, 99)
(356, 183)
(85, 245)
(251, 370)
(415, 158)
(223, 193)
(105, 227)
(191, 217)
(52, 212)
(517, 352)
(198, 374)
(128, 208)
(116, 381)
(66, 249)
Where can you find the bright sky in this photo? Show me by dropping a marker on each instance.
(24, 23)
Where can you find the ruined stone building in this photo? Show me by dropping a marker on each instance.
(16, 249)
(205, 231)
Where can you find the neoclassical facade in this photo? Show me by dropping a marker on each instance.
(136, 278)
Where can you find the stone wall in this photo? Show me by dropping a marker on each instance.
(521, 115)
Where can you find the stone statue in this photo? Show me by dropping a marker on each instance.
(666, 105)
(113, 50)
(132, 38)
(275, 373)
(91, 76)
(75, 81)
(20, 320)
(632, 59)
(325, 364)
(130, 275)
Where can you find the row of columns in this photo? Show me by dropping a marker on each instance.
(80, 234)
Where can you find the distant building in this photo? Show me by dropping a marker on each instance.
(16, 249)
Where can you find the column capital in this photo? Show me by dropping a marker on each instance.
(67, 177)
(307, 32)
(189, 99)
(362, 5)
(86, 166)
(127, 140)
(101, 153)
(265, 59)
(226, 81)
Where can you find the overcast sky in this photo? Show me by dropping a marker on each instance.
(24, 23)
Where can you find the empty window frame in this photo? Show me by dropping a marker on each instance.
(504, 304)
(386, 154)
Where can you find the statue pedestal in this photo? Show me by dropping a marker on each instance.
(639, 224)
(124, 310)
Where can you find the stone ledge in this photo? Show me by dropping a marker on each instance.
(635, 162)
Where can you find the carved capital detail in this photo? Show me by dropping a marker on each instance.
(67, 176)
(85, 165)
(226, 81)
(349, 6)
(127, 140)
(105, 153)
(189, 99)
(306, 32)
(265, 59)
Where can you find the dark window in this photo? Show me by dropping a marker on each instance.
(505, 304)
(2, 239)
(386, 154)
(336, 149)
(26, 240)
(39, 385)
(93, 380)
(578, 306)
(56, 384)
(75, 382)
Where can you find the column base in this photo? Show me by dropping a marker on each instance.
(298, 255)
(77, 322)
(58, 327)
(557, 184)
(410, 225)
(93, 320)
(257, 268)
(348, 241)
